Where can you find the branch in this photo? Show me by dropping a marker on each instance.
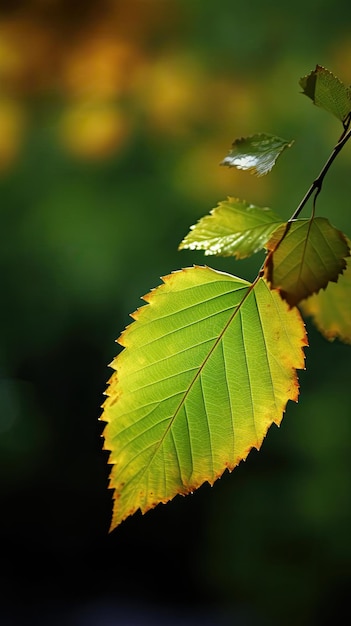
(317, 183)
(315, 187)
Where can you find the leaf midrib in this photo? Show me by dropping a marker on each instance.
(144, 470)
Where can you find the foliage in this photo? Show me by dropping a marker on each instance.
(210, 361)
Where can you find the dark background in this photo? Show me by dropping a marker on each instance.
(114, 116)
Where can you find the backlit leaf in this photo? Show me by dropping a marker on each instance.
(311, 254)
(257, 153)
(331, 309)
(327, 92)
(233, 228)
(208, 365)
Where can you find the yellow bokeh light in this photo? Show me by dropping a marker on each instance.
(93, 130)
(12, 123)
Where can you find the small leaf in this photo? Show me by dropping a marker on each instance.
(208, 365)
(331, 309)
(257, 153)
(302, 262)
(328, 92)
(233, 228)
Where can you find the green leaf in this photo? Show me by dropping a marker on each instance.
(331, 309)
(328, 92)
(208, 365)
(306, 258)
(257, 153)
(233, 228)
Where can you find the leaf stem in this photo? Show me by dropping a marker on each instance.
(317, 183)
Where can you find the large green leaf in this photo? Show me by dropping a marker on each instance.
(330, 309)
(233, 228)
(328, 92)
(257, 153)
(208, 365)
(305, 255)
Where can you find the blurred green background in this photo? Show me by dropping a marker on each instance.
(114, 116)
